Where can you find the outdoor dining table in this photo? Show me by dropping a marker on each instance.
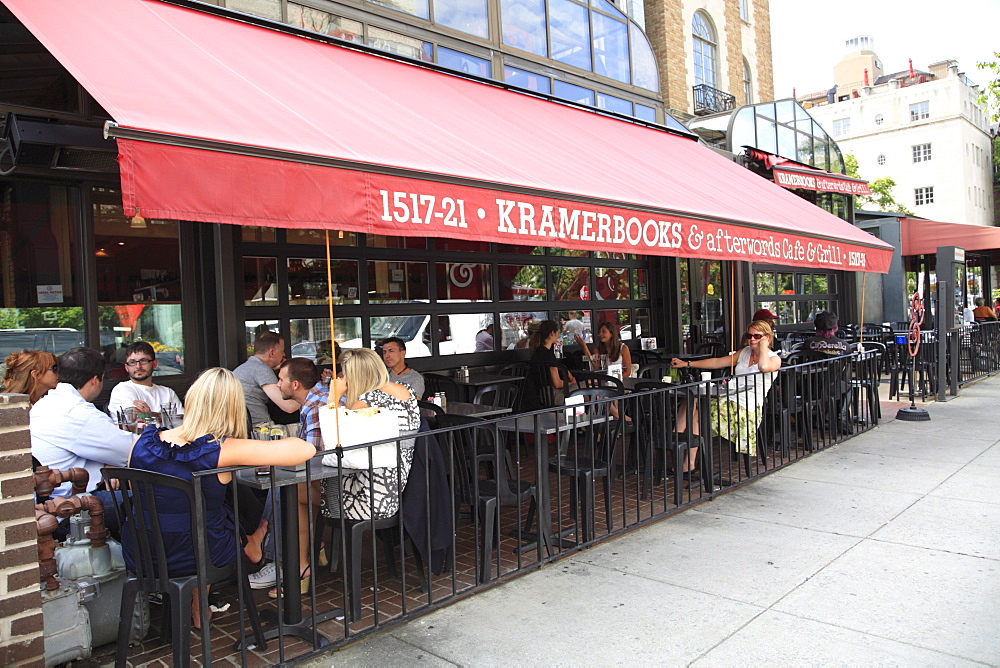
(470, 385)
(287, 481)
(541, 426)
(468, 410)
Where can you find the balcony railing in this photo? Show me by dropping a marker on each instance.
(708, 100)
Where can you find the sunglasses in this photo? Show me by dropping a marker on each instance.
(54, 368)
(755, 336)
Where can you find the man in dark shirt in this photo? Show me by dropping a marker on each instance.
(826, 341)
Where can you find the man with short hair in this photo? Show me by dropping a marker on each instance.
(258, 378)
(139, 391)
(825, 342)
(394, 356)
(68, 431)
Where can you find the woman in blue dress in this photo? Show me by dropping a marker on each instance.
(213, 435)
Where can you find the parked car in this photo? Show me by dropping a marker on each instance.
(55, 340)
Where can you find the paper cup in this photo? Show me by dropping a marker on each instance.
(706, 375)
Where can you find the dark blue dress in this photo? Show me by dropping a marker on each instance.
(152, 454)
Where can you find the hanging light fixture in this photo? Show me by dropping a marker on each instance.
(138, 222)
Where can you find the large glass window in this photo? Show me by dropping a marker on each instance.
(615, 104)
(415, 7)
(644, 72)
(795, 296)
(611, 283)
(415, 330)
(571, 283)
(525, 79)
(463, 62)
(570, 33)
(521, 283)
(325, 23)
(610, 47)
(516, 327)
(393, 282)
(523, 25)
(463, 282)
(138, 282)
(307, 281)
(704, 49)
(469, 16)
(310, 337)
(41, 305)
(573, 93)
(393, 42)
(260, 281)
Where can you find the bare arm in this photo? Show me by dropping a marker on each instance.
(583, 344)
(626, 361)
(710, 363)
(767, 362)
(287, 405)
(248, 452)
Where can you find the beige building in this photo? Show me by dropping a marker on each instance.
(714, 55)
(923, 128)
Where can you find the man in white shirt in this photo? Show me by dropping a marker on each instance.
(68, 431)
(138, 391)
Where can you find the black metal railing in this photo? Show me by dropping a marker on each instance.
(493, 498)
(708, 100)
(978, 351)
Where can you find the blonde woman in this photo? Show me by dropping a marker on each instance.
(213, 435)
(736, 416)
(366, 383)
(31, 372)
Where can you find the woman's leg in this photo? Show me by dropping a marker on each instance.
(304, 547)
(682, 423)
(254, 548)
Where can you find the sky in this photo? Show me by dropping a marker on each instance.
(807, 37)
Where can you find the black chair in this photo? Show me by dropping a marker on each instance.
(710, 348)
(519, 369)
(645, 357)
(478, 451)
(538, 388)
(654, 371)
(497, 394)
(595, 380)
(866, 378)
(592, 459)
(151, 576)
(435, 382)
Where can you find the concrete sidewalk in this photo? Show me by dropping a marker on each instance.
(884, 549)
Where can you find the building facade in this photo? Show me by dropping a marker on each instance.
(924, 129)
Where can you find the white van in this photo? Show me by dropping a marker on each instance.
(456, 332)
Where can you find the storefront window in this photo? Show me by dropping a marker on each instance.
(255, 327)
(415, 330)
(462, 245)
(138, 283)
(460, 333)
(576, 322)
(643, 325)
(611, 283)
(257, 234)
(40, 301)
(307, 281)
(469, 16)
(394, 282)
(640, 284)
(382, 241)
(516, 327)
(511, 249)
(521, 283)
(523, 25)
(260, 281)
(621, 319)
(571, 283)
(463, 282)
(318, 237)
(569, 26)
(568, 252)
(796, 297)
(310, 337)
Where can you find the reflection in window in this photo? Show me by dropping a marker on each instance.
(411, 47)
(611, 283)
(576, 323)
(615, 104)
(516, 327)
(324, 23)
(640, 285)
(513, 249)
(610, 48)
(392, 282)
(642, 325)
(644, 113)
(310, 337)
(441, 243)
(568, 252)
(255, 327)
(521, 282)
(307, 281)
(318, 237)
(260, 281)
(469, 16)
(528, 80)
(413, 329)
(463, 282)
(257, 234)
(573, 93)
(463, 62)
(384, 241)
(571, 283)
(643, 61)
(620, 319)
(415, 7)
(268, 9)
(570, 30)
(523, 25)
(704, 50)
(464, 333)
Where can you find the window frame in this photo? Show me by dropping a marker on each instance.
(704, 46)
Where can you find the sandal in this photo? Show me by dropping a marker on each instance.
(304, 581)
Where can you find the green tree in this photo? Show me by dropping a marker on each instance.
(990, 97)
(881, 188)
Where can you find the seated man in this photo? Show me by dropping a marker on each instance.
(260, 384)
(982, 312)
(139, 391)
(68, 431)
(825, 342)
(394, 356)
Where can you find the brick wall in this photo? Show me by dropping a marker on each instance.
(665, 28)
(733, 34)
(21, 640)
(765, 71)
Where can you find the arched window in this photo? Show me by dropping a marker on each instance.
(704, 49)
(747, 83)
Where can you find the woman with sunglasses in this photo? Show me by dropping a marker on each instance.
(735, 417)
(31, 372)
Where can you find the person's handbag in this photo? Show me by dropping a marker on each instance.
(356, 427)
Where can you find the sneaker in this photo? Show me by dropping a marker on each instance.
(265, 577)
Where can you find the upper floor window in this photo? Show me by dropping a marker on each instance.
(704, 49)
(745, 10)
(920, 110)
(923, 195)
(747, 83)
(841, 126)
(879, 119)
(881, 159)
(469, 16)
(921, 153)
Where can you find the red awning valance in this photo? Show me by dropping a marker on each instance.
(920, 236)
(224, 121)
(790, 174)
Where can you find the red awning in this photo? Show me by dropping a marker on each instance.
(922, 237)
(224, 121)
(792, 174)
